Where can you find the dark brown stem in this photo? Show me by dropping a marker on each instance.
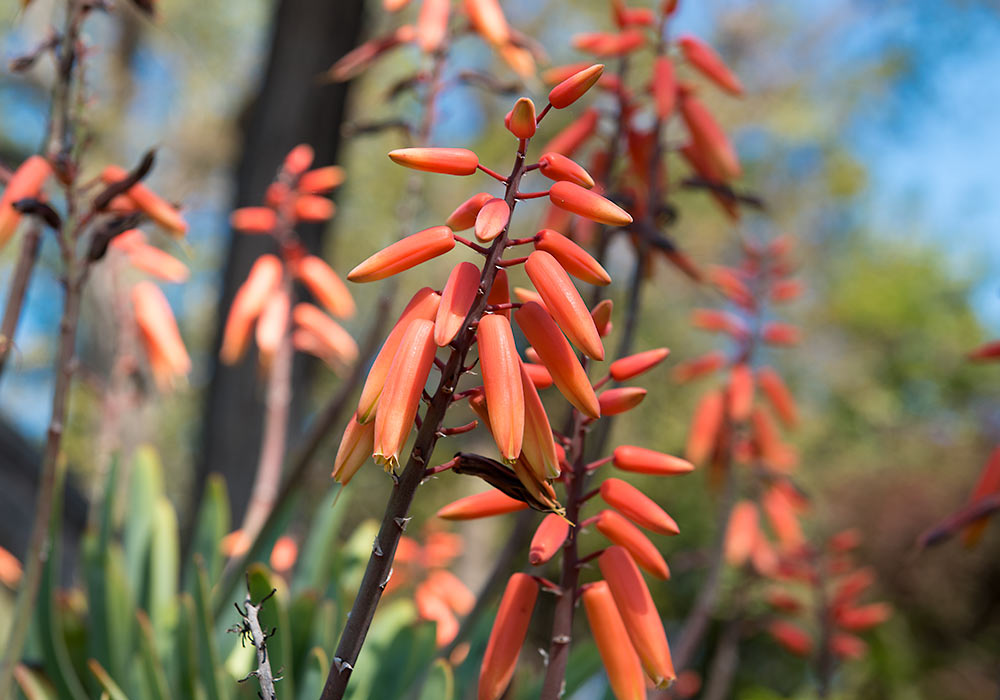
(380, 562)
(18, 290)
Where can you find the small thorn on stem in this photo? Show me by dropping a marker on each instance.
(401, 523)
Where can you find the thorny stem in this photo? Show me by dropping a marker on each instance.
(18, 290)
(253, 630)
(380, 562)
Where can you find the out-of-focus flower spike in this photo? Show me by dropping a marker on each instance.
(740, 392)
(588, 204)
(423, 305)
(637, 506)
(357, 60)
(27, 181)
(321, 180)
(326, 285)
(492, 219)
(558, 357)
(704, 58)
(563, 302)
(709, 137)
(299, 159)
(791, 637)
(539, 376)
(481, 505)
(574, 87)
(538, 448)
(465, 216)
(604, 44)
(521, 120)
(705, 426)
(548, 539)
(777, 333)
(623, 533)
(507, 637)
(664, 87)
(783, 520)
(158, 329)
(164, 214)
(340, 347)
(642, 621)
(445, 161)
(500, 292)
(631, 458)
(355, 449)
(602, 316)
(254, 220)
(699, 367)
(617, 653)
(556, 166)
(571, 138)
(502, 382)
(401, 395)
(249, 301)
(719, 321)
(778, 395)
(488, 20)
(313, 208)
(272, 326)
(573, 258)
(632, 366)
(158, 263)
(404, 254)
(620, 400)
(432, 24)
(742, 532)
(456, 299)
(730, 282)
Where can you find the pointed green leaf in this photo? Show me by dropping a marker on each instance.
(107, 683)
(440, 684)
(208, 655)
(145, 489)
(319, 550)
(152, 665)
(315, 667)
(164, 555)
(214, 521)
(33, 684)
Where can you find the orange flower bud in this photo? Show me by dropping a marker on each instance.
(742, 533)
(500, 292)
(863, 618)
(321, 180)
(556, 166)
(778, 395)
(637, 506)
(639, 614)
(709, 138)
(404, 254)
(423, 305)
(507, 637)
(740, 392)
(781, 515)
(488, 20)
(538, 448)
(481, 505)
(311, 207)
(401, 394)
(521, 120)
(793, 638)
(465, 216)
(129, 240)
(538, 375)
(168, 358)
(283, 554)
(557, 74)
(632, 366)
(456, 299)
(452, 591)
(299, 159)
(152, 205)
(272, 326)
(446, 161)
(525, 295)
(705, 427)
(719, 321)
(574, 87)
(574, 259)
(786, 290)
(602, 316)
(845, 540)
(612, 639)
(492, 219)
(502, 382)
(707, 61)
(254, 220)
(264, 277)
(575, 135)
(852, 585)
(630, 458)
(355, 449)
(432, 24)
(583, 202)
(623, 533)
(336, 345)
(10, 569)
(158, 263)
(848, 647)
(615, 401)
(558, 357)
(777, 333)
(431, 607)
(549, 537)
(320, 279)
(27, 181)
(664, 87)
(730, 282)
(784, 601)
(563, 302)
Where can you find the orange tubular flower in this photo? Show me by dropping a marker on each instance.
(488, 20)
(423, 305)
(538, 448)
(431, 607)
(558, 357)
(272, 326)
(168, 358)
(639, 614)
(492, 219)
(563, 302)
(355, 449)
(781, 515)
(249, 301)
(574, 87)
(337, 342)
(588, 204)
(637, 506)
(740, 392)
(507, 637)
(793, 638)
(556, 166)
(709, 138)
(630, 458)
(254, 220)
(705, 427)
(573, 258)
(27, 181)
(602, 316)
(445, 161)
(707, 61)
(777, 333)
(158, 263)
(617, 653)
(538, 375)
(502, 381)
(456, 299)
(664, 87)
(632, 366)
(741, 533)
(623, 533)
(321, 180)
(401, 394)
(500, 292)
(404, 254)
(700, 366)
(432, 24)
(310, 207)
(152, 205)
(615, 401)
(778, 395)
(549, 537)
(465, 215)
(575, 135)
(864, 617)
(603, 44)
(481, 505)
(299, 159)
(521, 120)
(320, 279)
